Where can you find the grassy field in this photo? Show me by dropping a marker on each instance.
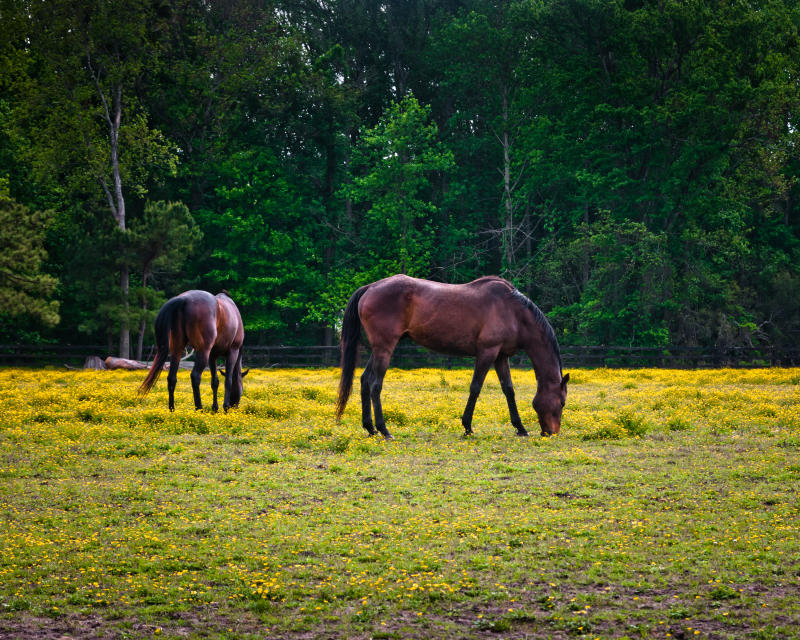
(667, 508)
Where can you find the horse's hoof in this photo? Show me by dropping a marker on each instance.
(522, 434)
(467, 434)
(388, 436)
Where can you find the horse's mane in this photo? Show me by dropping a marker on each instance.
(484, 279)
(541, 320)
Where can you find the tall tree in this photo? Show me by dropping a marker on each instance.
(484, 51)
(25, 290)
(161, 241)
(394, 168)
(97, 143)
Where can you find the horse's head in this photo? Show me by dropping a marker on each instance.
(548, 404)
(237, 386)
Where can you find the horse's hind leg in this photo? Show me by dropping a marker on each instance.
(482, 364)
(172, 379)
(212, 367)
(504, 374)
(380, 363)
(366, 403)
(200, 362)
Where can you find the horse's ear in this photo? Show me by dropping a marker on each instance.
(564, 381)
(245, 372)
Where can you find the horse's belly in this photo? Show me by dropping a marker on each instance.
(448, 343)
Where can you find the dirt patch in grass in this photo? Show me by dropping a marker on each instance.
(557, 613)
(206, 622)
(71, 627)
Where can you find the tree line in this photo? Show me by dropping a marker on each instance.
(631, 165)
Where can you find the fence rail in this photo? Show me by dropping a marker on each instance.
(410, 355)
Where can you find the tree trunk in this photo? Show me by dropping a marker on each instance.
(124, 328)
(507, 235)
(140, 341)
(332, 213)
(116, 200)
(143, 323)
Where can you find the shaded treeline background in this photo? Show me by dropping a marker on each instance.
(631, 166)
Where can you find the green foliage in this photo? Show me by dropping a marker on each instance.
(633, 167)
(394, 166)
(611, 284)
(162, 237)
(260, 239)
(634, 425)
(88, 59)
(158, 245)
(25, 290)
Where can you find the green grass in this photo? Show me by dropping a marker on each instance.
(668, 507)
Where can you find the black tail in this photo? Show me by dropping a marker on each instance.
(165, 321)
(351, 335)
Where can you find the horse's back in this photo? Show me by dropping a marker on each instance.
(199, 300)
(470, 300)
(451, 318)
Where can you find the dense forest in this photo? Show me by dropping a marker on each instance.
(632, 166)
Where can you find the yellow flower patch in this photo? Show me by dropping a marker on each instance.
(662, 485)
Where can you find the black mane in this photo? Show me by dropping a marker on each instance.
(542, 321)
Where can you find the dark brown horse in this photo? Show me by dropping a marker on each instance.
(213, 327)
(487, 318)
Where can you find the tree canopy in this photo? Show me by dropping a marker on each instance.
(631, 166)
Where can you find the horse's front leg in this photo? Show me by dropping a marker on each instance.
(504, 374)
(482, 364)
(212, 367)
(230, 369)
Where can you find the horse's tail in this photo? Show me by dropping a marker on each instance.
(351, 335)
(166, 320)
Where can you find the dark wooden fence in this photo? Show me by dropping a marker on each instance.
(410, 355)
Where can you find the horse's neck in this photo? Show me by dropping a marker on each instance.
(547, 375)
(545, 360)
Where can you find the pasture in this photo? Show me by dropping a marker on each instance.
(667, 508)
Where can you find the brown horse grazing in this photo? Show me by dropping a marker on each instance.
(213, 327)
(487, 318)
